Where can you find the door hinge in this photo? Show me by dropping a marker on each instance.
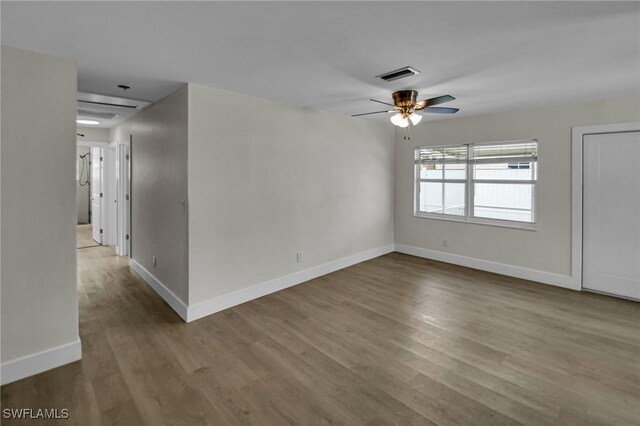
(101, 231)
(127, 236)
(100, 158)
(126, 197)
(101, 195)
(127, 156)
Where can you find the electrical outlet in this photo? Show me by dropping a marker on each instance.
(445, 243)
(153, 258)
(298, 257)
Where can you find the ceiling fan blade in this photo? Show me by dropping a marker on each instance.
(380, 102)
(440, 100)
(440, 110)
(434, 101)
(369, 113)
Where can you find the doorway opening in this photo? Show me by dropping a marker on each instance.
(102, 195)
(89, 194)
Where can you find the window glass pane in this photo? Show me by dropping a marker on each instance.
(503, 201)
(454, 198)
(505, 171)
(430, 197)
(430, 171)
(455, 171)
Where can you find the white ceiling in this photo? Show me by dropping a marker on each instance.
(492, 56)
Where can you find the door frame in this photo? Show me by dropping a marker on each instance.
(577, 143)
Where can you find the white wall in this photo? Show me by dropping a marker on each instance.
(549, 247)
(38, 243)
(159, 223)
(93, 134)
(268, 180)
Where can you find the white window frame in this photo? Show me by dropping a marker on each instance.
(470, 182)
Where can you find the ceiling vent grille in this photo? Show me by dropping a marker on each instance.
(398, 74)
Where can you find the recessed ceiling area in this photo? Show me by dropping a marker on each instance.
(106, 111)
(492, 56)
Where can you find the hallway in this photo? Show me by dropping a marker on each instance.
(395, 340)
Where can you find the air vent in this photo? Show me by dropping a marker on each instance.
(398, 74)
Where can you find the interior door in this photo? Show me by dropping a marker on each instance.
(96, 193)
(611, 213)
(122, 177)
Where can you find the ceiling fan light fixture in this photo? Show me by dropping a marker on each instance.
(400, 120)
(396, 119)
(415, 118)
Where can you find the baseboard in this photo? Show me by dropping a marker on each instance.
(238, 297)
(558, 280)
(40, 362)
(167, 295)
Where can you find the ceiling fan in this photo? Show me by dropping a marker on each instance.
(406, 107)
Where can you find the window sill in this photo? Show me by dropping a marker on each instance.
(478, 221)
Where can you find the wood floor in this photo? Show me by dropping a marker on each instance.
(84, 236)
(396, 340)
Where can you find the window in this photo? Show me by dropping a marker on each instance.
(484, 183)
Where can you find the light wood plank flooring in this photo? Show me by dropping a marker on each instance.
(396, 340)
(84, 236)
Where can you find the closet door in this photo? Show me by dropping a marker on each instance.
(611, 213)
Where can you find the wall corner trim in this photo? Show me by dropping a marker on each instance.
(40, 362)
(163, 291)
(550, 278)
(225, 301)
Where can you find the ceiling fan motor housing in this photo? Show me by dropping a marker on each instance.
(405, 99)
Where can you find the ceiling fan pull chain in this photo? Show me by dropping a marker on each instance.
(407, 136)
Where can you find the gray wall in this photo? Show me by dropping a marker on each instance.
(93, 134)
(268, 180)
(549, 247)
(39, 304)
(159, 224)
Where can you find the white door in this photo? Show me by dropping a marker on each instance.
(122, 177)
(611, 214)
(96, 193)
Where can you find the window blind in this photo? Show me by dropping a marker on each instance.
(516, 152)
(448, 154)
